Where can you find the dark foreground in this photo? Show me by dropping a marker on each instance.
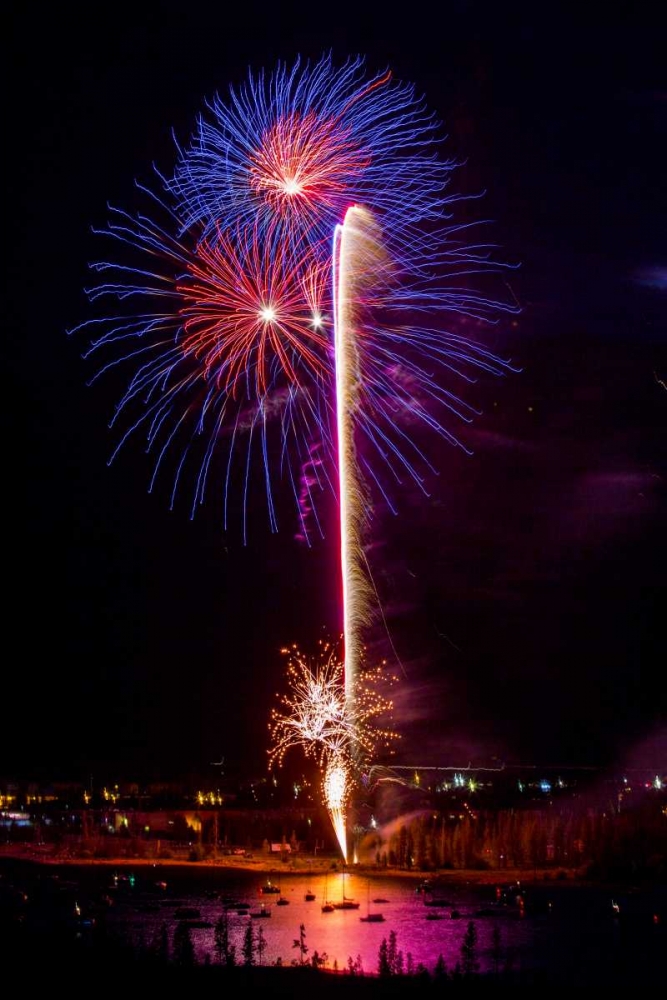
(52, 956)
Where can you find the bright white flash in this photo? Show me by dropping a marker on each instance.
(267, 314)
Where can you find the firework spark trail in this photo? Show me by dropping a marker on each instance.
(350, 493)
(359, 263)
(336, 793)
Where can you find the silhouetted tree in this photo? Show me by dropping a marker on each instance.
(225, 951)
(495, 948)
(261, 943)
(300, 943)
(440, 970)
(160, 946)
(248, 948)
(469, 962)
(392, 952)
(384, 968)
(184, 952)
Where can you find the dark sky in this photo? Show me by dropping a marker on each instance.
(526, 596)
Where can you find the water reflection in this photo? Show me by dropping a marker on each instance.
(540, 927)
(569, 932)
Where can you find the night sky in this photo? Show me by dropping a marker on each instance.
(526, 595)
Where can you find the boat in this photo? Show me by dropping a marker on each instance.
(269, 887)
(187, 913)
(309, 896)
(437, 902)
(346, 903)
(434, 916)
(282, 901)
(380, 900)
(371, 918)
(262, 912)
(327, 907)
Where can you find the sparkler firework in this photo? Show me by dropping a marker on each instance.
(340, 731)
(249, 319)
(315, 715)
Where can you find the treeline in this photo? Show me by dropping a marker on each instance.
(633, 842)
(169, 957)
(52, 954)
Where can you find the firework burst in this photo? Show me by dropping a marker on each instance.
(340, 732)
(314, 714)
(295, 148)
(231, 351)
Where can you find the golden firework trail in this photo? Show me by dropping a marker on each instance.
(330, 704)
(357, 261)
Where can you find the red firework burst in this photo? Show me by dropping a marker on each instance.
(305, 164)
(250, 307)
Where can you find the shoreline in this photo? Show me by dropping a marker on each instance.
(307, 867)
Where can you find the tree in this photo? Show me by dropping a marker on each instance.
(300, 943)
(469, 961)
(248, 948)
(261, 943)
(355, 966)
(384, 968)
(440, 970)
(495, 948)
(160, 946)
(225, 951)
(184, 952)
(391, 953)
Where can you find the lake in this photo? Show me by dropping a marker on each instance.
(568, 931)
